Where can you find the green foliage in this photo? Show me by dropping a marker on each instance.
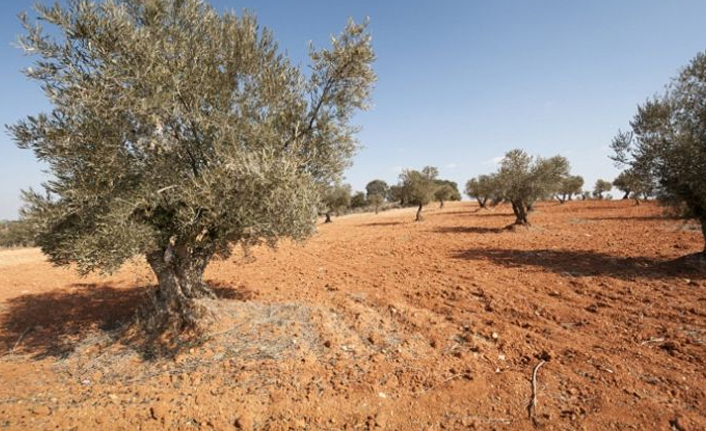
(601, 187)
(633, 185)
(667, 143)
(376, 201)
(377, 187)
(358, 200)
(177, 132)
(417, 188)
(523, 179)
(444, 192)
(483, 188)
(396, 193)
(569, 186)
(171, 122)
(452, 194)
(16, 233)
(337, 198)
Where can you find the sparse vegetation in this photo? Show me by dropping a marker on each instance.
(16, 233)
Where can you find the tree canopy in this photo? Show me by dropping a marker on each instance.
(523, 179)
(418, 187)
(667, 142)
(177, 132)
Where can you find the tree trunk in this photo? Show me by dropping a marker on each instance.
(571, 196)
(376, 209)
(520, 213)
(179, 270)
(626, 195)
(441, 205)
(419, 213)
(482, 202)
(637, 200)
(703, 232)
(328, 218)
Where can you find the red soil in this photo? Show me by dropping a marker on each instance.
(380, 322)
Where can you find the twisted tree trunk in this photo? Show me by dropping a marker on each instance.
(419, 213)
(482, 202)
(520, 213)
(179, 270)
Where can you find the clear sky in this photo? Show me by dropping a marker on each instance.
(459, 82)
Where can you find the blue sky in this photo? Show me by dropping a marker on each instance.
(459, 82)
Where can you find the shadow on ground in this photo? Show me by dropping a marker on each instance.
(588, 263)
(52, 323)
(468, 229)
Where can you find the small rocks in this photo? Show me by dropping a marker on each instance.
(245, 422)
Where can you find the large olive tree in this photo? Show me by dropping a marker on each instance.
(177, 132)
(667, 143)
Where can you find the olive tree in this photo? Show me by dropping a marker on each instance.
(601, 187)
(443, 193)
(417, 188)
(523, 179)
(376, 201)
(377, 191)
(335, 200)
(667, 143)
(376, 187)
(483, 188)
(176, 132)
(568, 187)
(358, 200)
(633, 185)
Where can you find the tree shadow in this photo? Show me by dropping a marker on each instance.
(468, 229)
(53, 323)
(383, 223)
(588, 263)
(636, 218)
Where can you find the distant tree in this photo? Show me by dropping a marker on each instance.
(585, 195)
(16, 233)
(358, 200)
(483, 188)
(443, 193)
(568, 187)
(601, 187)
(336, 199)
(633, 185)
(522, 179)
(376, 201)
(377, 187)
(417, 188)
(396, 194)
(667, 143)
(177, 132)
(454, 194)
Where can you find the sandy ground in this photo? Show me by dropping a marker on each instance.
(382, 323)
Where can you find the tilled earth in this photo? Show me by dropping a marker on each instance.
(379, 322)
